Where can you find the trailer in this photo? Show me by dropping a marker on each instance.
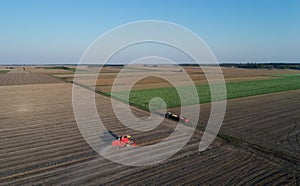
(176, 117)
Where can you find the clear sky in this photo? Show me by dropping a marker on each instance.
(59, 31)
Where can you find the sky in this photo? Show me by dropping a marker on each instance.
(59, 31)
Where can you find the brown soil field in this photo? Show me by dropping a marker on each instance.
(48, 71)
(269, 121)
(41, 144)
(21, 77)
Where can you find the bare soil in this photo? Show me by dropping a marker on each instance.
(41, 144)
(20, 77)
(270, 121)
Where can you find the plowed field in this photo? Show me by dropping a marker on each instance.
(40, 143)
(20, 77)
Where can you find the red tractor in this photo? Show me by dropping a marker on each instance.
(123, 141)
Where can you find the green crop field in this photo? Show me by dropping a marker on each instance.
(141, 98)
(3, 71)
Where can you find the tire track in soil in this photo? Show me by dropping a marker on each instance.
(38, 162)
(294, 139)
(86, 167)
(22, 174)
(132, 171)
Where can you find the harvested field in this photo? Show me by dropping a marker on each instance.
(241, 72)
(270, 121)
(41, 144)
(20, 77)
(48, 71)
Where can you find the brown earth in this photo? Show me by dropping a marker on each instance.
(270, 121)
(21, 77)
(48, 71)
(41, 142)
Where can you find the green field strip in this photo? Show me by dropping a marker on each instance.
(4, 71)
(141, 98)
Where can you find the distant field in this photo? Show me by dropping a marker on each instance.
(107, 77)
(24, 78)
(58, 70)
(141, 98)
(286, 75)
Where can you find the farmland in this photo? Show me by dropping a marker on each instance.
(27, 79)
(41, 143)
(108, 74)
(247, 88)
(269, 122)
(3, 71)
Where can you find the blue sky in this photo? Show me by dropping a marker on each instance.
(59, 31)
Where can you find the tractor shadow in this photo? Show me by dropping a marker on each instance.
(107, 137)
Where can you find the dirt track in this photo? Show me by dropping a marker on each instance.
(40, 143)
